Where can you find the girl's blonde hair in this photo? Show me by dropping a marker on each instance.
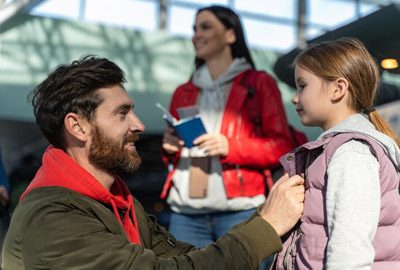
(348, 58)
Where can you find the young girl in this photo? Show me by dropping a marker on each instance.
(351, 214)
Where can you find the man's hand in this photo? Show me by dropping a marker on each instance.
(171, 143)
(213, 144)
(285, 203)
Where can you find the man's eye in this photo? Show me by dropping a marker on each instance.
(122, 114)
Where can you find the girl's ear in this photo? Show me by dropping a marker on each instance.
(230, 36)
(341, 88)
(76, 127)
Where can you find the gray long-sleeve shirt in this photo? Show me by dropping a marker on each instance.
(353, 197)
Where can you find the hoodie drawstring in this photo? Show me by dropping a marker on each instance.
(136, 236)
(131, 230)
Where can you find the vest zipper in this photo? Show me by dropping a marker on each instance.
(289, 259)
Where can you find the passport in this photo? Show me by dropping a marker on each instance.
(187, 128)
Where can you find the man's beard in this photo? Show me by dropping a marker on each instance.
(111, 156)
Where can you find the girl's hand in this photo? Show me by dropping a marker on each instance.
(171, 143)
(213, 144)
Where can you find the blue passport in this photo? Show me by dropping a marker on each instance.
(188, 128)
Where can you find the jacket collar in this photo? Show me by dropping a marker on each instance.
(59, 169)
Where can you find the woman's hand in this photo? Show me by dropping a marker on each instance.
(171, 143)
(213, 144)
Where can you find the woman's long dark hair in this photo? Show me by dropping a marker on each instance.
(231, 21)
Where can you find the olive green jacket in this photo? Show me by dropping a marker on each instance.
(56, 228)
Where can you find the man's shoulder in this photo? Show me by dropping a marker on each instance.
(50, 194)
(50, 199)
(41, 207)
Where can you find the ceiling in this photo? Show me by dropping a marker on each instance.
(379, 31)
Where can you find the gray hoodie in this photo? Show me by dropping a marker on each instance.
(353, 194)
(214, 93)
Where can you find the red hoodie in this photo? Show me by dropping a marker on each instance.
(61, 170)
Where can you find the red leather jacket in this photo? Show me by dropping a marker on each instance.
(255, 145)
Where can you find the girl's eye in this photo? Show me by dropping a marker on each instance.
(301, 86)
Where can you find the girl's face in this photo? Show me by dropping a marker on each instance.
(211, 38)
(312, 99)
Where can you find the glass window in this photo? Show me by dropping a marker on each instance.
(331, 13)
(199, 2)
(58, 9)
(268, 23)
(279, 37)
(368, 9)
(281, 9)
(181, 20)
(313, 32)
(137, 14)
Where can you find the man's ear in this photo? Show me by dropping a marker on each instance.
(230, 36)
(76, 126)
(340, 89)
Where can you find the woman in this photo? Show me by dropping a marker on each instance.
(247, 132)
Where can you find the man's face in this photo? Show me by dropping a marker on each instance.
(114, 132)
(109, 154)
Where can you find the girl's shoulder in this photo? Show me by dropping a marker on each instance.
(354, 148)
(349, 146)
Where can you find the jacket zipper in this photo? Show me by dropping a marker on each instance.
(240, 177)
(239, 173)
(170, 241)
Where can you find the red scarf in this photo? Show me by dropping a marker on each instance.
(61, 170)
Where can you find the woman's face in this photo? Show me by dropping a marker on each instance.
(211, 39)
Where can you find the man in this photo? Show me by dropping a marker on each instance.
(78, 214)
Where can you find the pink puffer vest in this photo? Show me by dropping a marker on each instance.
(305, 248)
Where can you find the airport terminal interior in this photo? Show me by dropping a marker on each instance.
(151, 41)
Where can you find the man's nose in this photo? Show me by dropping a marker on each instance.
(135, 124)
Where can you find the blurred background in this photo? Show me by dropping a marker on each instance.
(151, 41)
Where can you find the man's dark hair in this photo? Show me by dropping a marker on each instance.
(72, 88)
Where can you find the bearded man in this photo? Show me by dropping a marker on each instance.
(77, 213)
